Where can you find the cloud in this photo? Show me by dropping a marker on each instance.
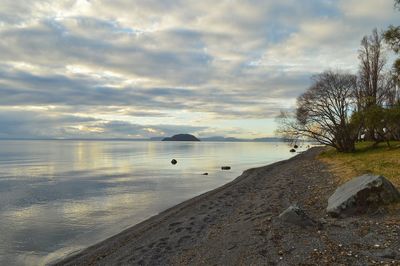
(139, 62)
(37, 122)
(375, 10)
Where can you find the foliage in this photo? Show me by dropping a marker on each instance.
(392, 38)
(384, 120)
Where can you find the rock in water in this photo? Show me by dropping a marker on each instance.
(292, 150)
(226, 168)
(296, 215)
(173, 161)
(361, 193)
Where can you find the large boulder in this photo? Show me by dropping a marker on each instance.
(360, 194)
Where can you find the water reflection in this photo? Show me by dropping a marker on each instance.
(60, 196)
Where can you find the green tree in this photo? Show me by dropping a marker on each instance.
(392, 38)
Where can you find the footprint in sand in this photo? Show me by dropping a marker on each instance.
(183, 238)
(175, 224)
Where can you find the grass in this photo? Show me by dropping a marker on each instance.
(378, 160)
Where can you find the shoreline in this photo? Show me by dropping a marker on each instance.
(233, 224)
(151, 222)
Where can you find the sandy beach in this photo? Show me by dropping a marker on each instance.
(238, 224)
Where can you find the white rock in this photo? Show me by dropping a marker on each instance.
(360, 193)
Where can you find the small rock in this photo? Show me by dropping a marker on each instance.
(361, 193)
(295, 146)
(205, 174)
(296, 215)
(387, 254)
(173, 161)
(292, 150)
(226, 168)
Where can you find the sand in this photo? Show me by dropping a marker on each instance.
(238, 224)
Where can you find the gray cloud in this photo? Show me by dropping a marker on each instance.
(123, 61)
(21, 88)
(39, 124)
(36, 124)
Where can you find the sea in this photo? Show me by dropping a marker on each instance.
(60, 196)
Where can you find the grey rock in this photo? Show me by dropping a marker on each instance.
(360, 194)
(387, 254)
(296, 215)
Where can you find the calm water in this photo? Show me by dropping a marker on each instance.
(60, 196)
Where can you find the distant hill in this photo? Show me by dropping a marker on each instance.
(157, 138)
(219, 138)
(181, 137)
(271, 139)
(231, 139)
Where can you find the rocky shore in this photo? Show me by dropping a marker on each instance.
(239, 224)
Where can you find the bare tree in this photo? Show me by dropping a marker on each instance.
(375, 85)
(391, 97)
(324, 112)
(372, 62)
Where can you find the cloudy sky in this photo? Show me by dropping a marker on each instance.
(143, 68)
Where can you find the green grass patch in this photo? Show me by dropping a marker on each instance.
(379, 160)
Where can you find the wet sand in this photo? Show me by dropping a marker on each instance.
(238, 224)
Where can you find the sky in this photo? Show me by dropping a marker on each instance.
(146, 68)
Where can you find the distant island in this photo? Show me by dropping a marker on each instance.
(215, 139)
(189, 137)
(181, 137)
